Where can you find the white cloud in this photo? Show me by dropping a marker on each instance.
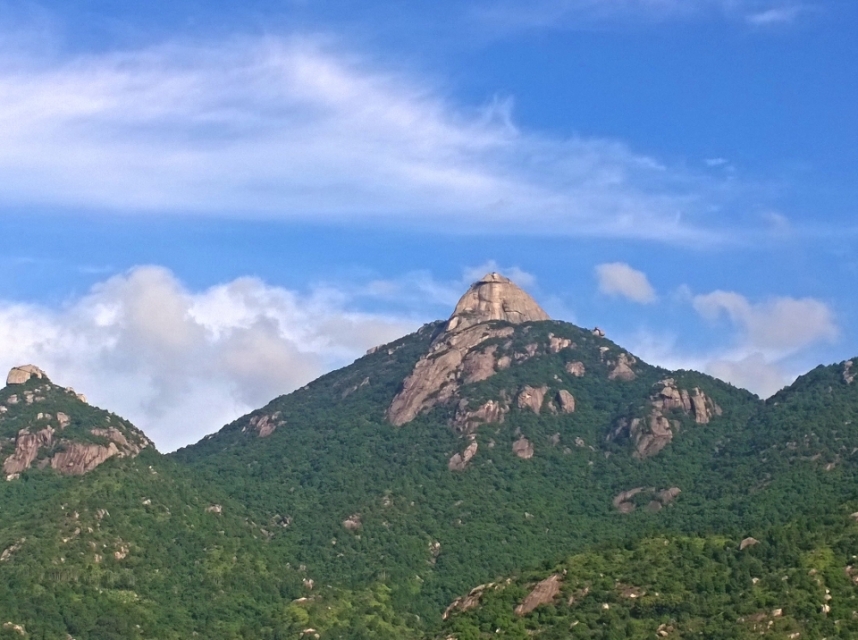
(296, 128)
(753, 371)
(779, 325)
(774, 16)
(509, 15)
(180, 364)
(619, 279)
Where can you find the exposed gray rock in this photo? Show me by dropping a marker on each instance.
(523, 448)
(556, 345)
(494, 297)
(654, 431)
(460, 461)
(748, 542)
(20, 375)
(543, 593)
(575, 369)
(566, 401)
(623, 369)
(492, 411)
(531, 398)
(453, 358)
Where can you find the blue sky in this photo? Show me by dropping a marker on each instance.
(206, 204)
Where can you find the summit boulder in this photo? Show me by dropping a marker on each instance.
(455, 356)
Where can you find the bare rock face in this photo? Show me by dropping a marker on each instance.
(471, 600)
(37, 444)
(543, 593)
(438, 375)
(575, 369)
(623, 369)
(459, 461)
(848, 374)
(523, 448)
(556, 345)
(77, 458)
(748, 542)
(479, 365)
(493, 411)
(654, 431)
(26, 449)
(454, 357)
(264, 425)
(531, 398)
(566, 401)
(494, 297)
(20, 375)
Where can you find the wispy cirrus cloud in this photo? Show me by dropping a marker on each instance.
(298, 128)
(584, 14)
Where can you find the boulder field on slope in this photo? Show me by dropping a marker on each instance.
(72, 441)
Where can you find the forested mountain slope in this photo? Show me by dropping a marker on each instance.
(476, 447)
(496, 447)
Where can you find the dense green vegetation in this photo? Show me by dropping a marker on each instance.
(795, 581)
(241, 536)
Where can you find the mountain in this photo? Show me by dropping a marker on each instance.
(498, 473)
(493, 441)
(103, 537)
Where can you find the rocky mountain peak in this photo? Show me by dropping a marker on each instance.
(494, 297)
(454, 357)
(45, 425)
(20, 375)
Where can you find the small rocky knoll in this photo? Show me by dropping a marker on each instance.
(654, 431)
(45, 425)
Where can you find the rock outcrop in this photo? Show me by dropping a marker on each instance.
(543, 593)
(492, 411)
(575, 369)
(566, 401)
(654, 431)
(848, 374)
(76, 458)
(523, 448)
(20, 375)
(264, 425)
(748, 542)
(623, 368)
(77, 451)
(454, 358)
(494, 297)
(353, 522)
(556, 345)
(27, 447)
(472, 599)
(623, 501)
(459, 461)
(531, 398)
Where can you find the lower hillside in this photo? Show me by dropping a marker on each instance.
(790, 582)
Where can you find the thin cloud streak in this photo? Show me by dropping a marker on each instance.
(296, 129)
(510, 16)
